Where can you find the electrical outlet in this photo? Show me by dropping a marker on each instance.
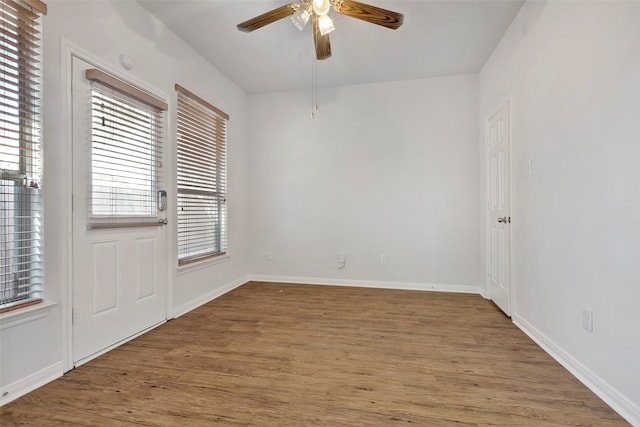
(529, 168)
(269, 256)
(383, 259)
(587, 319)
(341, 257)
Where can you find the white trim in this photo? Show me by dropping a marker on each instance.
(485, 203)
(170, 186)
(408, 286)
(209, 296)
(25, 315)
(206, 263)
(115, 70)
(19, 388)
(512, 207)
(68, 50)
(612, 397)
(620, 403)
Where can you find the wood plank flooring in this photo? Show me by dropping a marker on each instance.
(279, 354)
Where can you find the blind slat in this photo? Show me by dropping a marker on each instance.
(201, 178)
(21, 268)
(126, 153)
(108, 80)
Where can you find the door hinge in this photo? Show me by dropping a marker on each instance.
(73, 316)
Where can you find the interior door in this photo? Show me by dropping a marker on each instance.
(119, 276)
(499, 216)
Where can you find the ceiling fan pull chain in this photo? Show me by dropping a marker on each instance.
(313, 115)
(316, 84)
(314, 88)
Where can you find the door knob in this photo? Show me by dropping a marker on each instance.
(502, 219)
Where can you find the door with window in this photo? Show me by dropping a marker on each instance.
(119, 237)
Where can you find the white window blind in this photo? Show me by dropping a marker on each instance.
(21, 275)
(201, 178)
(126, 154)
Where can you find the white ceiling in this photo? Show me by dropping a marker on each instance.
(437, 38)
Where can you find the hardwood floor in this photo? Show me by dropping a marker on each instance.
(278, 354)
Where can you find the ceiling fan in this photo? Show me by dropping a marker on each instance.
(322, 25)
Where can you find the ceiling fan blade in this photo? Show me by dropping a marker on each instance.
(368, 13)
(268, 17)
(323, 44)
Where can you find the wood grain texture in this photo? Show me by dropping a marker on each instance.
(369, 13)
(294, 355)
(268, 17)
(321, 43)
(109, 80)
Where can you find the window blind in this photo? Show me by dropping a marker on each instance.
(21, 275)
(126, 154)
(201, 178)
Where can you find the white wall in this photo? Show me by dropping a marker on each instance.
(393, 168)
(35, 351)
(387, 168)
(572, 70)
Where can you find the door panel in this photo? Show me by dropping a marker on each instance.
(105, 277)
(499, 216)
(145, 277)
(119, 277)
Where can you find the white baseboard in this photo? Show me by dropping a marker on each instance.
(18, 388)
(612, 397)
(407, 286)
(620, 403)
(209, 296)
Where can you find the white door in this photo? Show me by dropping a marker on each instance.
(119, 274)
(499, 216)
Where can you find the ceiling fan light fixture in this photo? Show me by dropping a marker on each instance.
(325, 25)
(301, 17)
(321, 7)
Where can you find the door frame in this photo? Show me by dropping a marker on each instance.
(508, 102)
(67, 51)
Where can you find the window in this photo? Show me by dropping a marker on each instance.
(126, 155)
(201, 179)
(21, 276)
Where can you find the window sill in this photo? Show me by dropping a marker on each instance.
(198, 265)
(17, 317)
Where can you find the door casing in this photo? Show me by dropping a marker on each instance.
(67, 51)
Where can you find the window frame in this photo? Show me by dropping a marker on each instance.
(129, 110)
(21, 229)
(201, 141)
